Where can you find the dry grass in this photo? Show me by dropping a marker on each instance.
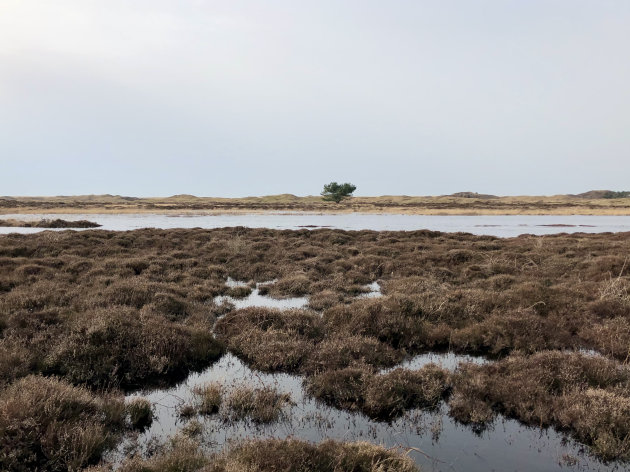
(271, 340)
(121, 347)
(259, 405)
(463, 204)
(300, 456)
(339, 351)
(184, 455)
(342, 388)
(384, 396)
(209, 397)
(132, 309)
(587, 396)
(291, 286)
(391, 394)
(47, 424)
(238, 292)
(240, 402)
(140, 413)
(396, 321)
(56, 223)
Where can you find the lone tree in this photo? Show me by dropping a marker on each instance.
(334, 192)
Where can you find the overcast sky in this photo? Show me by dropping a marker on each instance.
(237, 98)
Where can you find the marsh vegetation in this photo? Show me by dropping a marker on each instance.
(88, 316)
(47, 223)
(184, 454)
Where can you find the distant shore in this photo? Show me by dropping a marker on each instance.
(46, 223)
(438, 205)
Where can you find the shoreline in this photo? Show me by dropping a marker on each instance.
(560, 205)
(370, 211)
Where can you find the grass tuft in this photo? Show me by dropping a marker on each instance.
(140, 411)
(209, 397)
(259, 405)
(47, 424)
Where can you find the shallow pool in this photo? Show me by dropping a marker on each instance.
(433, 439)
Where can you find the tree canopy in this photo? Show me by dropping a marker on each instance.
(334, 192)
(612, 194)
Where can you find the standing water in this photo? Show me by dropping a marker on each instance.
(494, 225)
(434, 440)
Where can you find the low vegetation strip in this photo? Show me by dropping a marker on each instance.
(586, 395)
(242, 402)
(382, 396)
(184, 455)
(604, 202)
(47, 424)
(56, 223)
(102, 311)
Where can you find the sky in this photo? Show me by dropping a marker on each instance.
(247, 97)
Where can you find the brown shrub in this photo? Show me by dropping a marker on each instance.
(238, 291)
(301, 456)
(389, 395)
(303, 323)
(209, 398)
(40, 295)
(56, 223)
(469, 408)
(133, 292)
(611, 337)
(260, 405)
(394, 320)
(46, 424)
(523, 331)
(383, 396)
(271, 340)
(16, 360)
(140, 412)
(600, 418)
(450, 282)
(184, 455)
(271, 350)
(609, 308)
(171, 306)
(344, 351)
(585, 395)
(147, 295)
(342, 388)
(118, 347)
(291, 286)
(325, 299)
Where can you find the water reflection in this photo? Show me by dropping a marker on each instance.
(446, 360)
(256, 299)
(433, 439)
(494, 225)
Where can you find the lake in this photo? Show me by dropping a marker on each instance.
(494, 225)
